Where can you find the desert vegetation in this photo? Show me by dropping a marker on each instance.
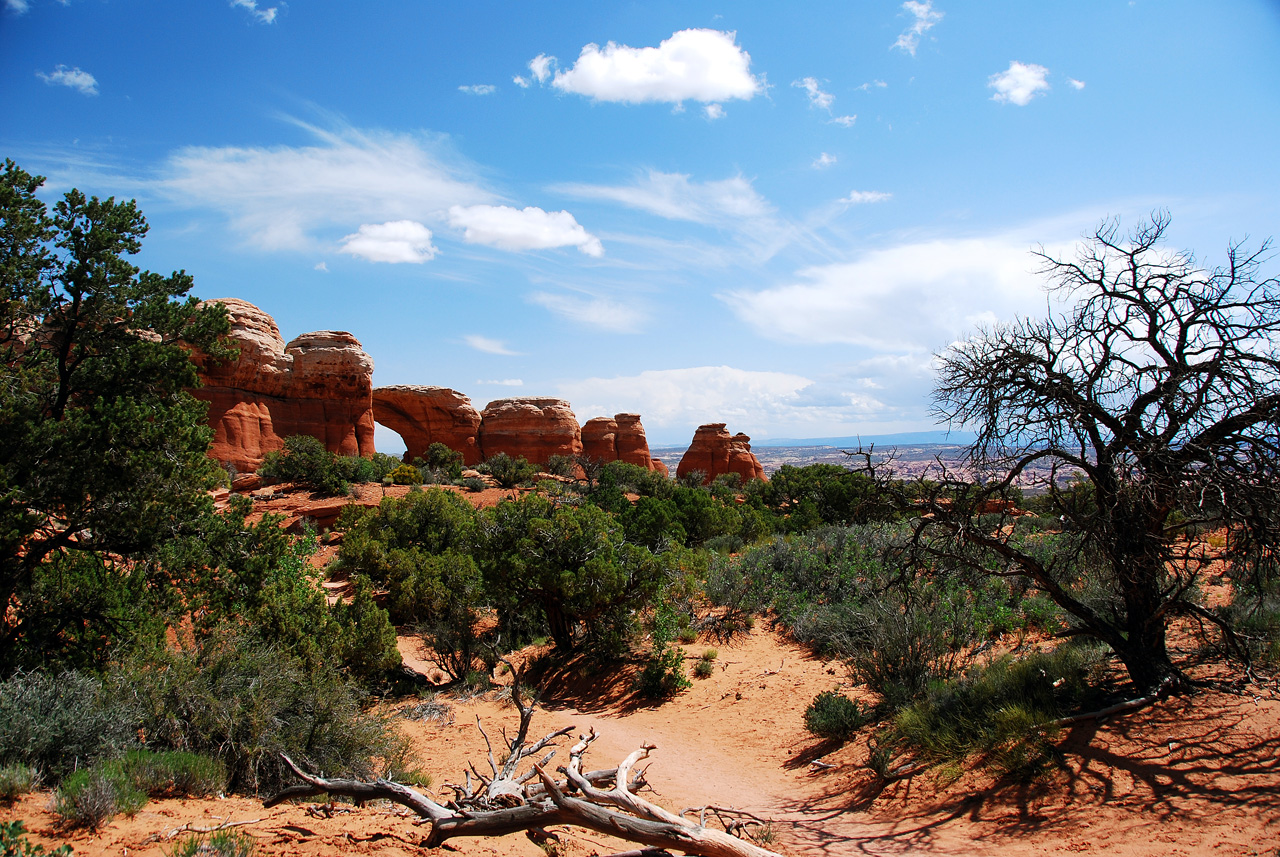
(152, 643)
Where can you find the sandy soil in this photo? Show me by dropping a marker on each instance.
(1188, 776)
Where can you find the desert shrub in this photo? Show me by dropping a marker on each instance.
(509, 472)
(243, 702)
(366, 642)
(91, 797)
(357, 469)
(58, 723)
(688, 634)
(662, 675)
(635, 479)
(405, 474)
(653, 522)
(15, 781)
(562, 465)
(306, 461)
(170, 773)
(14, 842)
(834, 716)
(704, 669)
(474, 484)
(445, 460)
(220, 843)
(998, 710)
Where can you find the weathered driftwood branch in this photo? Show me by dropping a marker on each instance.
(508, 802)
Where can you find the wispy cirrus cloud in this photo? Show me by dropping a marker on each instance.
(487, 345)
(478, 88)
(262, 16)
(593, 311)
(529, 228)
(1019, 83)
(859, 197)
(817, 98)
(75, 78)
(281, 197)
(675, 196)
(501, 382)
(692, 65)
(925, 18)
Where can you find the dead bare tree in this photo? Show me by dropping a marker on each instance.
(506, 801)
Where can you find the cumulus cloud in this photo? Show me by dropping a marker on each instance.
(596, 312)
(478, 89)
(817, 98)
(528, 228)
(264, 16)
(823, 161)
(692, 65)
(846, 121)
(679, 398)
(504, 382)
(910, 298)
(77, 79)
(713, 112)
(925, 19)
(522, 82)
(394, 242)
(1075, 84)
(487, 345)
(859, 197)
(1019, 83)
(278, 197)
(675, 197)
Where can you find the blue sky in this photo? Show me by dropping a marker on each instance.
(766, 214)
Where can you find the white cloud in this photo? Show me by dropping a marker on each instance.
(713, 112)
(394, 242)
(696, 65)
(322, 267)
(858, 197)
(817, 98)
(906, 299)
(522, 82)
(478, 89)
(926, 18)
(680, 398)
(528, 228)
(1019, 83)
(487, 345)
(1075, 84)
(79, 80)
(846, 121)
(504, 382)
(277, 197)
(264, 16)
(675, 197)
(823, 161)
(593, 311)
(541, 67)
(873, 84)
(17, 6)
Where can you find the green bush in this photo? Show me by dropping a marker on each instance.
(405, 474)
(220, 843)
(662, 675)
(704, 668)
(170, 773)
(474, 484)
(834, 716)
(15, 781)
(14, 842)
(442, 459)
(508, 471)
(562, 465)
(91, 797)
(58, 723)
(306, 461)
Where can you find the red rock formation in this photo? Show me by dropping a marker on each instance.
(714, 451)
(535, 428)
(621, 438)
(426, 415)
(319, 384)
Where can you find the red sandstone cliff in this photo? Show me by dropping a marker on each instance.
(536, 428)
(318, 384)
(714, 451)
(426, 415)
(620, 438)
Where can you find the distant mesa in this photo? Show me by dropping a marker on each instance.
(714, 452)
(426, 415)
(319, 384)
(530, 426)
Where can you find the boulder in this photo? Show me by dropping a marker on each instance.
(319, 384)
(533, 427)
(714, 451)
(426, 415)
